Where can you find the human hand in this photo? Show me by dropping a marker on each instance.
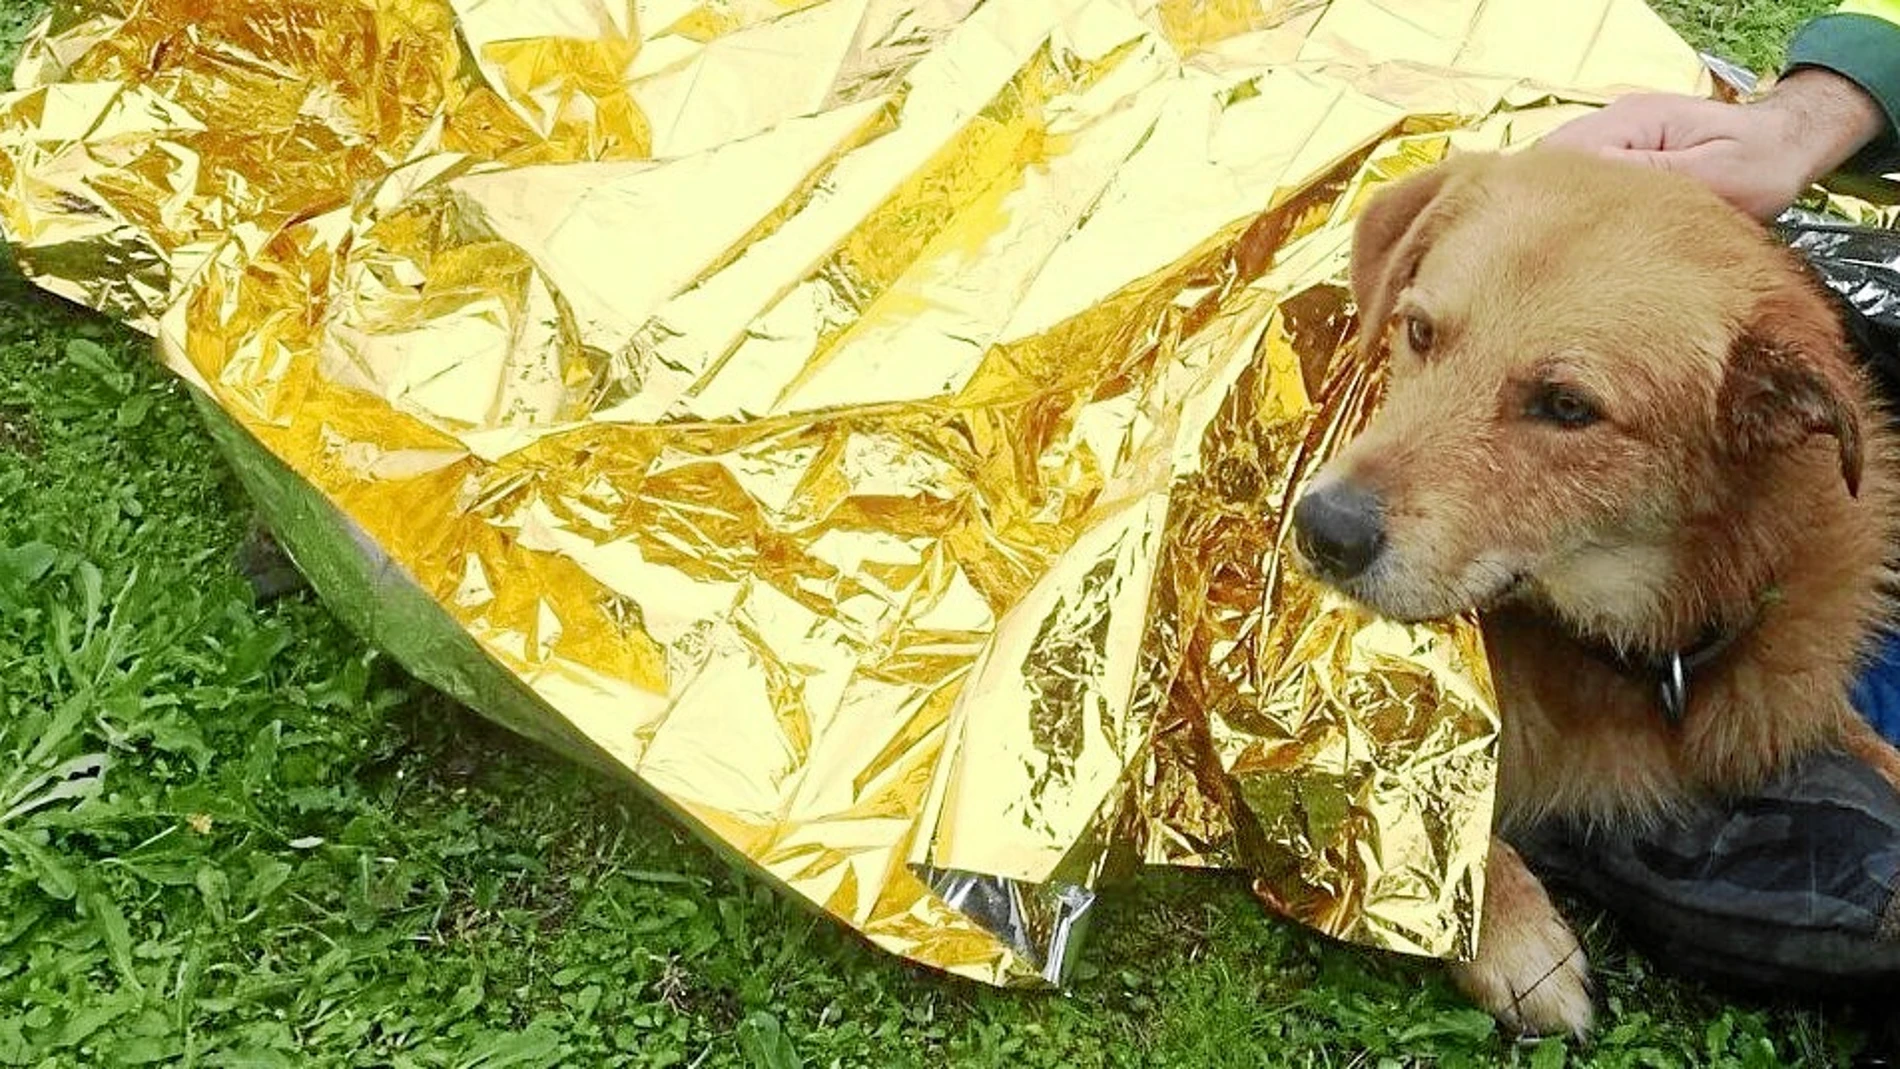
(1759, 156)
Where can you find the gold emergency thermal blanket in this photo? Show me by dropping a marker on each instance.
(870, 425)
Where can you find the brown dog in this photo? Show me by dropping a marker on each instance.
(1624, 426)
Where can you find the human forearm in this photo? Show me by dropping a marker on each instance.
(1814, 121)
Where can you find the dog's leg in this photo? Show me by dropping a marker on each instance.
(1530, 972)
(1863, 742)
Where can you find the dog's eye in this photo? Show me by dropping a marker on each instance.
(1562, 406)
(1419, 334)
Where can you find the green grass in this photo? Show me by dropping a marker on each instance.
(297, 857)
(1749, 32)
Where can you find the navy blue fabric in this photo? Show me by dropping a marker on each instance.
(1787, 890)
(1877, 692)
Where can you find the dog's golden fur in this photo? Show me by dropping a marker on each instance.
(1738, 473)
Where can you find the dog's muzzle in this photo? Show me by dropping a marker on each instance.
(1340, 529)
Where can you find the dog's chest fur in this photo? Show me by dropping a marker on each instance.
(1584, 739)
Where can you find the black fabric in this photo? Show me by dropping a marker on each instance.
(1861, 266)
(1787, 890)
(270, 571)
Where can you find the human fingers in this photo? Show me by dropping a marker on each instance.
(1643, 122)
(1728, 167)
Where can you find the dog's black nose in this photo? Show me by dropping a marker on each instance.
(1340, 528)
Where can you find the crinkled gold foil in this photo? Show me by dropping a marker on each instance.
(868, 424)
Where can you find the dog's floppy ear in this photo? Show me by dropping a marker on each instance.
(1790, 376)
(1392, 233)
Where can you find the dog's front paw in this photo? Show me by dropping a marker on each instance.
(1534, 979)
(1530, 972)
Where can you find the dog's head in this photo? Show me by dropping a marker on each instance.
(1584, 358)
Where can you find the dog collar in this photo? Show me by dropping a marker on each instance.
(1673, 670)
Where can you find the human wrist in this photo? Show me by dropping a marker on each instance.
(1821, 121)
